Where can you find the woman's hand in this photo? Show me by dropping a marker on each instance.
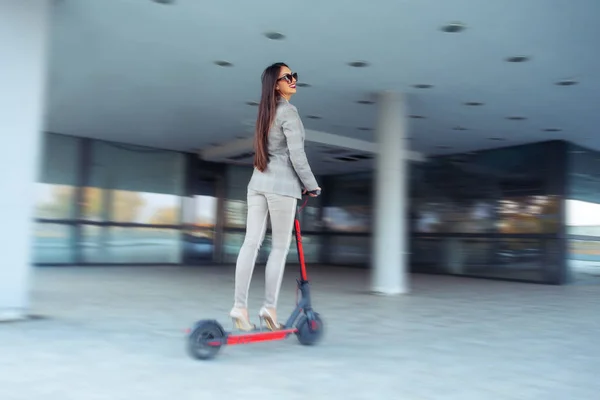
(318, 190)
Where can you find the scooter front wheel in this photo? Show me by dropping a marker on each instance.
(310, 331)
(204, 340)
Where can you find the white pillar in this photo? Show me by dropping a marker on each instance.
(22, 75)
(389, 269)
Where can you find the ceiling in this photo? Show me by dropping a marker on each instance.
(141, 72)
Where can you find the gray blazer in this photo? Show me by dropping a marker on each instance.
(288, 171)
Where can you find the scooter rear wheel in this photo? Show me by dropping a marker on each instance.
(202, 334)
(309, 331)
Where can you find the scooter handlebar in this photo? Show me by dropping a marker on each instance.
(307, 194)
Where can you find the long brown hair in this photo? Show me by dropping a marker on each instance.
(266, 114)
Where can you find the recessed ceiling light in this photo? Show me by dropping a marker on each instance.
(422, 86)
(498, 139)
(302, 84)
(517, 59)
(365, 129)
(552, 130)
(252, 103)
(358, 64)
(222, 63)
(516, 118)
(453, 27)
(473, 103)
(365, 102)
(417, 116)
(567, 82)
(313, 117)
(275, 35)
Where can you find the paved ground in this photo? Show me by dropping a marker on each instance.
(116, 333)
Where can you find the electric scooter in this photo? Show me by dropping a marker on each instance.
(207, 336)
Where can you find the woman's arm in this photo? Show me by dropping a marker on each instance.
(293, 129)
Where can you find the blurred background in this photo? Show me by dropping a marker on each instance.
(150, 105)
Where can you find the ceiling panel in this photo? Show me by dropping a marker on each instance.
(141, 72)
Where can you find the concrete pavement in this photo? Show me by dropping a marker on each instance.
(117, 333)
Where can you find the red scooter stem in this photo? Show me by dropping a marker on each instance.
(298, 232)
(303, 274)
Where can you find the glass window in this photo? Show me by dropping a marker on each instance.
(133, 184)
(59, 160)
(232, 243)
(350, 250)
(522, 259)
(136, 169)
(52, 243)
(94, 244)
(475, 216)
(583, 213)
(425, 253)
(583, 218)
(350, 203)
(94, 204)
(235, 213)
(201, 211)
(347, 219)
(55, 189)
(588, 250)
(583, 228)
(198, 245)
(131, 245)
(237, 178)
(501, 190)
(55, 201)
(310, 219)
(200, 220)
(125, 206)
(145, 208)
(529, 214)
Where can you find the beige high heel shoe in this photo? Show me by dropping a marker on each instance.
(271, 322)
(240, 321)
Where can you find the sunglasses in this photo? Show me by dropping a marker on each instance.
(288, 77)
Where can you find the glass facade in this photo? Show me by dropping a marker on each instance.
(346, 214)
(55, 235)
(497, 213)
(493, 214)
(583, 213)
(106, 203)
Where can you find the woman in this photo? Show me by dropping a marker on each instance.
(281, 171)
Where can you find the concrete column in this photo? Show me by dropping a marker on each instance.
(23, 38)
(389, 269)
